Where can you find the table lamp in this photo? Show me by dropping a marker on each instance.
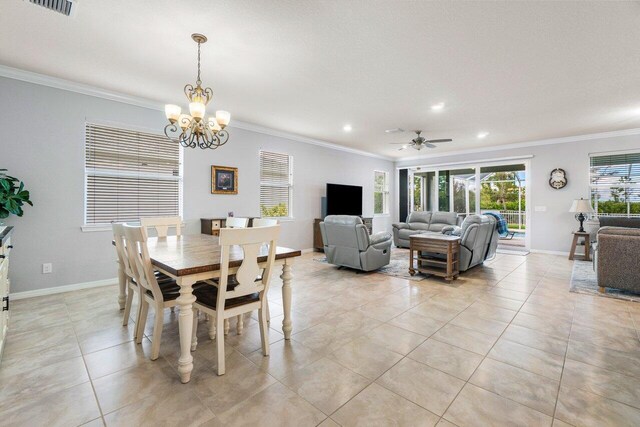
(581, 207)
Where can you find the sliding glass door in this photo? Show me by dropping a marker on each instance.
(498, 189)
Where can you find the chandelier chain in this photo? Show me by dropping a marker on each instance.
(198, 81)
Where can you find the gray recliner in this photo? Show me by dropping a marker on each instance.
(478, 239)
(347, 243)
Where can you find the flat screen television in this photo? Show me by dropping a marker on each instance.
(344, 199)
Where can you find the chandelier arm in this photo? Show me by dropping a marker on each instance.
(208, 92)
(171, 127)
(223, 137)
(188, 91)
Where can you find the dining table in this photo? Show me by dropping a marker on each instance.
(193, 258)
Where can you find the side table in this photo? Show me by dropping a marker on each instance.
(587, 246)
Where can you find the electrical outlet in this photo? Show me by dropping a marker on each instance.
(47, 268)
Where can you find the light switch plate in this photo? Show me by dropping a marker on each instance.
(540, 208)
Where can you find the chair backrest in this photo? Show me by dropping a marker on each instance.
(264, 222)
(478, 233)
(162, 225)
(121, 250)
(251, 241)
(235, 222)
(138, 253)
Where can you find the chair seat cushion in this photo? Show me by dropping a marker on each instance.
(208, 295)
(379, 237)
(171, 290)
(405, 233)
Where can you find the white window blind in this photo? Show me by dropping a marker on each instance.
(381, 192)
(615, 184)
(129, 175)
(276, 184)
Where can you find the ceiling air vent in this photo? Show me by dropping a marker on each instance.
(66, 7)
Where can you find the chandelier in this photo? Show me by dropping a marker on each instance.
(192, 130)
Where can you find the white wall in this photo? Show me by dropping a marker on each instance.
(550, 230)
(44, 146)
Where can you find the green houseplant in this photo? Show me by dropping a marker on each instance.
(12, 195)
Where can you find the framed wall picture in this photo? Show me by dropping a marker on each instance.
(224, 180)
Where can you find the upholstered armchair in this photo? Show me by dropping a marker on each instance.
(347, 243)
(616, 258)
(478, 239)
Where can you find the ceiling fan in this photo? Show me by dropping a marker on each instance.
(420, 142)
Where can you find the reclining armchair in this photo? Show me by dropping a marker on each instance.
(347, 243)
(478, 239)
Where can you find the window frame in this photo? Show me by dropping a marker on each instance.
(93, 227)
(385, 193)
(289, 185)
(594, 202)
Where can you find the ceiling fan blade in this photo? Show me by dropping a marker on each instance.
(428, 145)
(402, 148)
(400, 143)
(439, 140)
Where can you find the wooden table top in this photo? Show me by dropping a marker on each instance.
(198, 253)
(435, 236)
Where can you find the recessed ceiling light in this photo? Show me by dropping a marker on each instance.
(483, 135)
(347, 128)
(437, 107)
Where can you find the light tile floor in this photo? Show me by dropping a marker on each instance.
(506, 344)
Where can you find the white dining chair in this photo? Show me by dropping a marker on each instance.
(160, 295)
(123, 260)
(264, 222)
(162, 225)
(249, 294)
(235, 222)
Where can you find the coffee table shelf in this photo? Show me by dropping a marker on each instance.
(447, 246)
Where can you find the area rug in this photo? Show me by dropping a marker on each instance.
(585, 281)
(398, 267)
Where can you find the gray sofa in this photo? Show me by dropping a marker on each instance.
(615, 255)
(347, 243)
(422, 222)
(478, 239)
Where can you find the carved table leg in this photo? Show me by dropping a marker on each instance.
(185, 325)
(122, 284)
(286, 297)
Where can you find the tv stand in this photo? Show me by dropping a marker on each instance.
(317, 236)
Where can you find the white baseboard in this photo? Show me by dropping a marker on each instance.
(542, 251)
(61, 289)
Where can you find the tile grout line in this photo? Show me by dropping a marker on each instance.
(95, 395)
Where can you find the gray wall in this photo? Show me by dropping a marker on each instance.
(44, 146)
(550, 230)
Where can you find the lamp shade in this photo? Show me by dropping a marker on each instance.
(582, 206)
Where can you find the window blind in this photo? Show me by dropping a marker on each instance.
(615, 184)
(275, 184)
(129, 175)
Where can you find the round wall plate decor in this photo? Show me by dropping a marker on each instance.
(558, 179)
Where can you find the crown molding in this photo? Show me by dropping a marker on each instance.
(537, 143)
(58, 83)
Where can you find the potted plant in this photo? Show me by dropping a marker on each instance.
(12, 196)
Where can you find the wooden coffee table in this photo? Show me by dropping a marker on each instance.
(431, 243)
